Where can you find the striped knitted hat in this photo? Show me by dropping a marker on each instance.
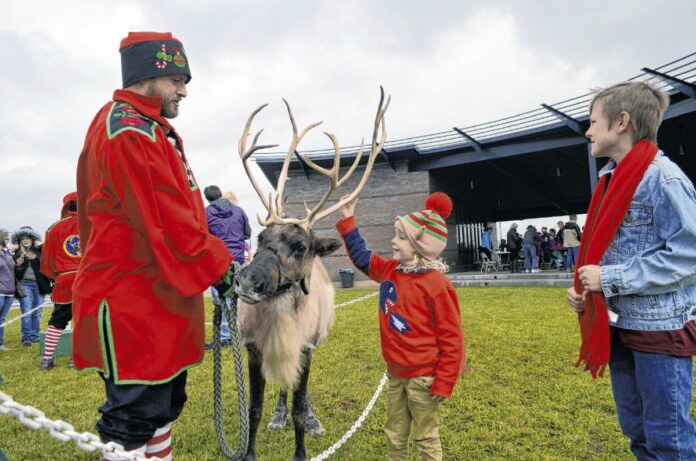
(427, 229)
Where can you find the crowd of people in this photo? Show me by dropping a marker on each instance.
(555, 249)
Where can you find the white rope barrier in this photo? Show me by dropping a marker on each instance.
(29, 312)
(356, 425)
(36, 419)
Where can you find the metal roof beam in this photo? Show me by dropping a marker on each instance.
(475, 144)
(567, 120)
(385, 154)
(303, 164)
(682, 86)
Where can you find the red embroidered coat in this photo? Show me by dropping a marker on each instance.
(147, 254)
(61, 253)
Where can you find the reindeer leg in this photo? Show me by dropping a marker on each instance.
(312, 424)
(257, 384)
(280, 417)
(299, 408)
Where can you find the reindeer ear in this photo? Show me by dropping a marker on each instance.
(419, 232)
(326, 246)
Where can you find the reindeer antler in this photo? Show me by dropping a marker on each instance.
(276, 208)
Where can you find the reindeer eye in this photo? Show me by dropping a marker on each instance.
(298, 248)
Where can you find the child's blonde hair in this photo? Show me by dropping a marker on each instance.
(231, 197)
(644, 103)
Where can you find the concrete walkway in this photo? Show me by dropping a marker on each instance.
(548, 278)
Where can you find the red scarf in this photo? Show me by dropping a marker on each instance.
(607, 210)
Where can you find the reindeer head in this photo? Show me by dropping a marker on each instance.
(287, 247)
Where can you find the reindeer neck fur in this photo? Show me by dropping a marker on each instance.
(283, 326)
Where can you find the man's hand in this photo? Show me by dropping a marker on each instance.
(348, 209)
(590, 277)
(575, 300)
(225, 285)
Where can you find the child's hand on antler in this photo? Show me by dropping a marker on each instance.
(348, 209)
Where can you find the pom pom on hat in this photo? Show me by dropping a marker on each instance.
(440, 203)
(427, 229)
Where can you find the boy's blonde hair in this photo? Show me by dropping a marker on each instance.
(644, 103)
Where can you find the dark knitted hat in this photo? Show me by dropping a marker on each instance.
(147, 55)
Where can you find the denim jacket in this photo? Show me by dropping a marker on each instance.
(648, 273)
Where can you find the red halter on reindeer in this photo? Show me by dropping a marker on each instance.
(286, 297)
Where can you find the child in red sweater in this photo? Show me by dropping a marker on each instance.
(420, 328)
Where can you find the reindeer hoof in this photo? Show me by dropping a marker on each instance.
(314, 427)
(300, 458)
(279, 419)
(250, 457)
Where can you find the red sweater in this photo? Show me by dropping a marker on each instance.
(419, 320)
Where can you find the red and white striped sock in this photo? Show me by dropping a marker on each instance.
(161, 444)
(52, 340)
(110, 456)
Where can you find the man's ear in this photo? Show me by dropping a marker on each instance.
(326, 246)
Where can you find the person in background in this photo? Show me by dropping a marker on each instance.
(147, 256)
(555, 247)
(228, 222)
(7, 282)
(571, 241)
(28, 272)
(60, 261)
(485, 244)
(529, 245)
(514, 241)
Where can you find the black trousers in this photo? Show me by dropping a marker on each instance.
(62, 314)
(133, 412)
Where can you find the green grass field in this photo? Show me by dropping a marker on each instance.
(521, 399)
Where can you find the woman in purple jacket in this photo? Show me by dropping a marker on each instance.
(7, 282)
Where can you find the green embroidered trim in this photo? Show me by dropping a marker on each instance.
(105, 320)
(122, 117)
(103, 340)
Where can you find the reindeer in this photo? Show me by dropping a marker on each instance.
(286, 298)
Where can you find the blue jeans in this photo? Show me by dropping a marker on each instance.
(653, 393)
(225, 334)
(571, 257)
(32, 322)
(529, 256)
(5, 304)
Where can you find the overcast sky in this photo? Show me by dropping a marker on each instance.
(445, 63)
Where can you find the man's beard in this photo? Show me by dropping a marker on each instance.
(169, 108)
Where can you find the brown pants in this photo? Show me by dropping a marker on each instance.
(409, 404)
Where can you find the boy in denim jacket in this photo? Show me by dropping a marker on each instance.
(637, 274)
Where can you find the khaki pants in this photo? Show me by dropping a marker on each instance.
(409, 403)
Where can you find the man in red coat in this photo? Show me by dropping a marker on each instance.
(59, 262)
(147, 253)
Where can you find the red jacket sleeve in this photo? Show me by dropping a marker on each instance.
(150, 182)
(449, 335)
